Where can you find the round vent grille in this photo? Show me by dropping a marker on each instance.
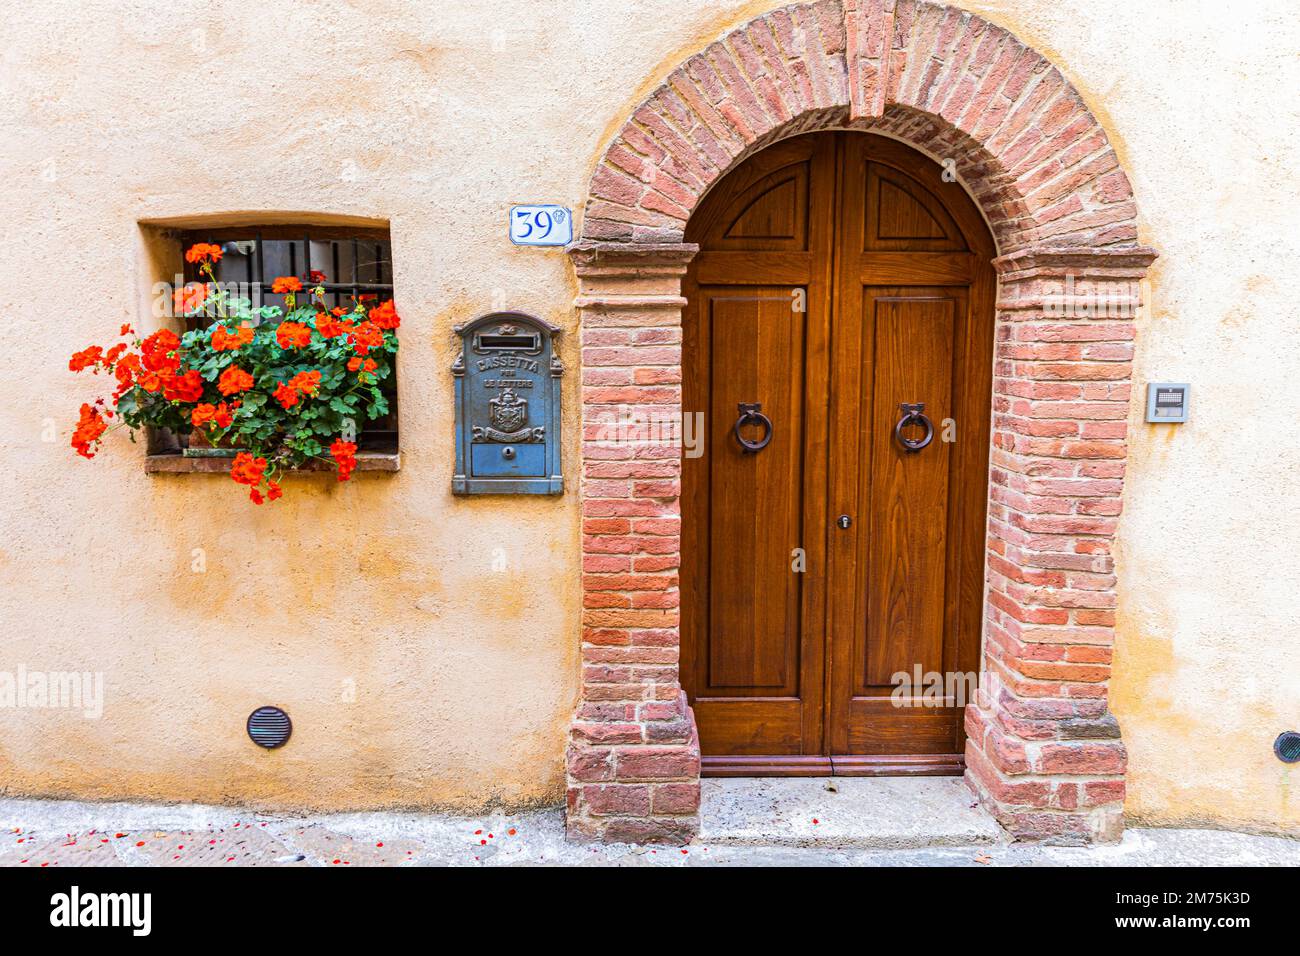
(1287, 747)
(269, 727)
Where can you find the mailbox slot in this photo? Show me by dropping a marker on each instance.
(507, 343)
(507, 381)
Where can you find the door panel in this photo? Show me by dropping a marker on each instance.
(755, 330)
(900, 214)
(757, 348)
(755, 682)
(906, 500)
(900, 621)
(838, 278)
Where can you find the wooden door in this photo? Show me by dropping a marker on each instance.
(756, 330)
(839, 278)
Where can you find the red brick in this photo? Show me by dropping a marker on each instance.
(617, 799)
(675, 798)
(1092, 758)
(656, 763)
(590, 764)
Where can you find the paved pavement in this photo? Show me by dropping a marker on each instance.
(897, 822)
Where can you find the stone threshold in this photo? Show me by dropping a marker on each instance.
(844, 813)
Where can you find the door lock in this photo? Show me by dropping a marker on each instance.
(844, 521)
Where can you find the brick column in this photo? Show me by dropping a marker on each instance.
(1044, 752)
(633, 760)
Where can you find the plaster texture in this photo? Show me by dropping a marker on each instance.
(427, 646)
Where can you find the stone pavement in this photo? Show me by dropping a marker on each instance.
(802, 822)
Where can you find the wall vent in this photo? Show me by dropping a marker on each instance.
(269, 727)
(1287, 746)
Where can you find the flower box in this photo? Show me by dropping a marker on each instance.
(267, 390)
(198, 446)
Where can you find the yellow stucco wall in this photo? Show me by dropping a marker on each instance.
(437, 117)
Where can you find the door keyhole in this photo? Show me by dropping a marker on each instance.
(844, 521)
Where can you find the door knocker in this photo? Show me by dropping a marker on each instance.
(752, 413)
(913, 414)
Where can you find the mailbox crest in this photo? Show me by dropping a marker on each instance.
(507, 381)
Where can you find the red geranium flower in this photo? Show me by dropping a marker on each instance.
(184, 388)
(306, 382)
(160, 343)
(365, 337)
(246, 469)
(85, 358)
(344, 453)
(125, 372)
(189, 298)
(293, 335)
(234, 380)
(283, 284)
(158, 361)
(385, 316)
(286, 395)
(223, 340)
(203, 252)
(89, 429)
(363, 366)
(205, 413)
(328, 326)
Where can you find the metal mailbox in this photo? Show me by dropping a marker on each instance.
(507, 407)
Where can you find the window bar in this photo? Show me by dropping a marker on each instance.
(334, 255)
(306, 261)
(248, 269)
(356, 247)
(261, 273)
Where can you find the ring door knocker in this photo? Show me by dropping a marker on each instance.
(913, 414)
(751, 413)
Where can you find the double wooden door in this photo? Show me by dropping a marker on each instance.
(840, 278)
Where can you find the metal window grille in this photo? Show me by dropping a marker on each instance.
(353, 266)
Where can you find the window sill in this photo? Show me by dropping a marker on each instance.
(177, 464)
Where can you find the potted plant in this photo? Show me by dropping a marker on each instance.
(272, 388)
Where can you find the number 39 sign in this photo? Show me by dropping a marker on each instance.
(541, 226)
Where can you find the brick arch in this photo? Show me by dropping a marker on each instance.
(1043, 752)
(943, 79)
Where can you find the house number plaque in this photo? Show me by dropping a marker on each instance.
(507, 381)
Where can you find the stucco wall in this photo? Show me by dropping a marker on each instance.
(437, 117)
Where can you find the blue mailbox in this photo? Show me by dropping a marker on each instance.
(507, 407)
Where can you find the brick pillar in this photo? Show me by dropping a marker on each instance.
(633, 760)
(1044, 752)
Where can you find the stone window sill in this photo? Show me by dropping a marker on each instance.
(174, 463)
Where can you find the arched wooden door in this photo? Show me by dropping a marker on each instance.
(839, 279)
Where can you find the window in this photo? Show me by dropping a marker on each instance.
(354, 263)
